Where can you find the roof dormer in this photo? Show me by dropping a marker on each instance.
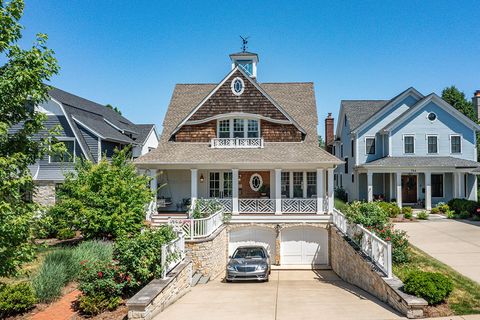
(247, 61)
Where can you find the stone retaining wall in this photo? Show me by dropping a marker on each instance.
(350, 265)
(209, 255)
(44, 193)
(160, 293)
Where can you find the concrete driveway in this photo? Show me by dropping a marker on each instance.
(455, 243)
(289, 295)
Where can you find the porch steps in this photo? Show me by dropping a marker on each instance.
(162, 218)
(198, 278)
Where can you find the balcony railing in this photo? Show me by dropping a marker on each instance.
(268, 206)
(227, 143)
(198, 228)
(256, 205)
(299, 205)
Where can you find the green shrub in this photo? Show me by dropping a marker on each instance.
(398, 238)
(91, 251)
(391, 208)
(407, 212)
(93, 305)
(62, 257)
(468, 207)
(43, 226)
(435, 210)
(16, 298)
(205, 208)
(450, 214)
(443, 207)
(102, 278)
(341, 194)
(432, 286)
(422, 215)
(367, 214)
(464, 215)
(340, 205)
(65, 234)
(49, 281)
(140, 255)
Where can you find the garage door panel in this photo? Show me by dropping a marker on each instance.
(252, 236)
(304, 246)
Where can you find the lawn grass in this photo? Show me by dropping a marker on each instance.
(465, 297)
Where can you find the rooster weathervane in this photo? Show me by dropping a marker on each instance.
(244, 43)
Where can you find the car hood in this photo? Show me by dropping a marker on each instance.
(247, 262)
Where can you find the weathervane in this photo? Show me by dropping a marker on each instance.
(244, 43)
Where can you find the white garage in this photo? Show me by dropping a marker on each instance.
(246, 236)
(304, 245)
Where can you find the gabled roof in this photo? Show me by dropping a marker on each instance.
(143, 132)
(254, 83)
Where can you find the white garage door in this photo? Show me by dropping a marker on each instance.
(304, 246)
(252, 236)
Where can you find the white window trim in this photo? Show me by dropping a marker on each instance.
(414, 142)
(426, 142)
(245, 127)
(443, 183)
(436, 116)
(461, 143)
(232, 86)
(61, 139)
(256, 175)
(221, 180)
(374, 143)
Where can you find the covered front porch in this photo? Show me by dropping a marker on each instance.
(245, 191)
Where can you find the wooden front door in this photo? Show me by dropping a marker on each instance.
(409, 189)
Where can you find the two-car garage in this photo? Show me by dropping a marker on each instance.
(298, 245)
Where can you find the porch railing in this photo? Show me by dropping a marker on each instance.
(198, 228)
(378, 250)
(299, 205)
(172, 254)
(236, 143)
(256, 205)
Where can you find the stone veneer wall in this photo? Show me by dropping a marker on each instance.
(160, 293)
(44, 193)
(209, 256)
(351, 266)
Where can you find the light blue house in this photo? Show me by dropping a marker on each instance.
(413, 149)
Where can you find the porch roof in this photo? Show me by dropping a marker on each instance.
(424, 162)
(273, 152)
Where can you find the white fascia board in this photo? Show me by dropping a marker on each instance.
(88, 128)
(111, 124)
(237, 114)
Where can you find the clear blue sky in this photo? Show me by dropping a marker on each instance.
(131, 53)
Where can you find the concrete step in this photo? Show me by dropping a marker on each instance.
(195, 278)
(203, 280)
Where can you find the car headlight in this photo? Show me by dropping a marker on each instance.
(262, 267)
(230, 268)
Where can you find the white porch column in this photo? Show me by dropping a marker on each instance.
(304, 184)
(320, 191)
(461, 185)
(290, 178)
(473, 192)
(330, 190)
(398, 182)
(153, 188)
(193, 186)
(234, 191)
(278, 191)
(456, 193)
(428, 190)
(370, 186)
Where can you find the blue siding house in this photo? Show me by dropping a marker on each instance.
(413, 149)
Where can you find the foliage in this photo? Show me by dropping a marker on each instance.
(465, 297)
(432, 286)
(140, 255)
(442, 207)
(93, 305)
(204, 208)
(340, 205)
(116, 109)
(457, 99)
(321, 142)
(398, 238)
(341, 194)
(407, 212)
(92, 251)
(368, 214)
(16, 298)
(65, 233)
(450, 214)
(423, 215)
(464, 206)
(22, 85)
(102, 278)
(104, 200)
(391, 208)
(43, 226)
(435, 210)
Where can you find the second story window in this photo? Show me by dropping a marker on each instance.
(238, 128)
(224, 129)
(455, 144)
(370, 145)
(409, 144)
(253, 129)
(432, 142)
(353, 149)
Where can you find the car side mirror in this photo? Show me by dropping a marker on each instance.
(229, 257)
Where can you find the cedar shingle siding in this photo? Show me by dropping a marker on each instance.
(274, 132)
(197, 133)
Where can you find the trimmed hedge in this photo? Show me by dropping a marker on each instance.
(432, 286)
(16, 298)
(464, 207)
(391, 208)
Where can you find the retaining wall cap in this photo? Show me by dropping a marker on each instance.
(209, 238)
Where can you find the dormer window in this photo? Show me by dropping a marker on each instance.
(238, 128)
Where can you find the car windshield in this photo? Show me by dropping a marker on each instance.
(249, 253)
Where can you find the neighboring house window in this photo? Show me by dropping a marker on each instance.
(311, 184)
(346, 165)
(341, 180)
(334, 151)
(224, 129)
(285, 182)
(353, 178)
(432, 142)
(437, 185)
(238, 128)
(456, 144)
(253, 128)
(345, 120)
(298, 184)
(353, 148)
(409, 144)
(341, 151)
(68, 155)
(370, 145)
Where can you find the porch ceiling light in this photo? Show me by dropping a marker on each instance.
(202, 178)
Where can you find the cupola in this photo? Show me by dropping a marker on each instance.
(246, 60)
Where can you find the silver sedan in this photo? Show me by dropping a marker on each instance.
(249, 263)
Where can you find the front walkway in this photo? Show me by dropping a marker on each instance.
(288, 295)
(455, 243)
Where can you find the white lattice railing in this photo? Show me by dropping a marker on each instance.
(172, 254)
(379, 251)
(256, 205)
(226, 203)
(299, 205)
(237, 143)
(198, 228)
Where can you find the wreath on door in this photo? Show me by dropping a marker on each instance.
(256, 182)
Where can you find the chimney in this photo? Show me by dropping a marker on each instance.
(329, 135)
(476, 103)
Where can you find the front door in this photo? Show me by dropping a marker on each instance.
(409, 189)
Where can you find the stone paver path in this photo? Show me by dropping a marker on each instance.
(299, 295)
(454, 243)
(60, 310)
